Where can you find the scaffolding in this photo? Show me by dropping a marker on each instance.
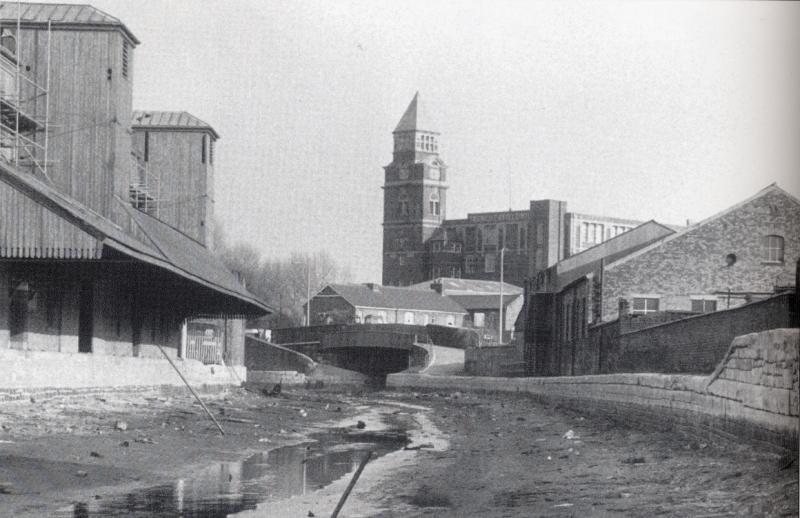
(144, 189)
(24, 104)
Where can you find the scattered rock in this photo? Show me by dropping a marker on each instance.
(570, 435)
(121, 426)
(125, 444)
(311, 515)
(361, 425)
(418, 447)
(563, 505)
(264, 439)
(634, 460)
(302, 412)
(6, 489)
(95, 454)
(81, 473)
(144, 440)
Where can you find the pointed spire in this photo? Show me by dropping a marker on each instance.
(415, 118)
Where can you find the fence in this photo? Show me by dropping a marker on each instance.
(204, 347)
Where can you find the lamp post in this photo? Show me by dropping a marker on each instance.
(500, 319)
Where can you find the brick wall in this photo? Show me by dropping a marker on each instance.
(696, 344)
(694, 263)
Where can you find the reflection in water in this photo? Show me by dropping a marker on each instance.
(230, 487)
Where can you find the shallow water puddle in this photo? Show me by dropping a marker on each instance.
(229, 487)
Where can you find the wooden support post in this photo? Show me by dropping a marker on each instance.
(190, 389)
(351, 485)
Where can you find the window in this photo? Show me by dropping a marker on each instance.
(434, 203)
(455, 272)
(436, 246)
(512, 233)
(146, 146)
(211, 152)
(644, 305)
(489, 263)
(704, 305)
(471, 264)
(436, 271)
(469, 239)
(522, 232)
(403, 202)
(773, 249)
(203, 149)
(408, 317)
(478, 319)
(125, 51)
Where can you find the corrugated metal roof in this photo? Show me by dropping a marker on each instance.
(60, 15)
(170, 249)
(180, 120)
(395, 298)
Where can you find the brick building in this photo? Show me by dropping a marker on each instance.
(657, 274)
(481, 300)
(374, 304)
(420, 244)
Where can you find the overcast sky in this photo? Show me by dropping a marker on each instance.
(666, 111)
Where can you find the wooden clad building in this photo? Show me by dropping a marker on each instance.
(84, 266)
(176, 151)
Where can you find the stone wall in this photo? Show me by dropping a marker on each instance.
(492, 361)
(694, 263)
(746, 397)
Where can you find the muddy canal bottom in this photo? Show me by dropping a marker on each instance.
(230, 487)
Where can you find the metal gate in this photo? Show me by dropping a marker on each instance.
(204, 345)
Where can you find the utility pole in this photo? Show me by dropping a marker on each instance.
(500, 319)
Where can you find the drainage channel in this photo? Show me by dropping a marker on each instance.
(230, 487)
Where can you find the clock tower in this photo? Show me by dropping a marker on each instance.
(413, 197)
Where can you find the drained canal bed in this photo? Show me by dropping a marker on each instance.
(230, 487)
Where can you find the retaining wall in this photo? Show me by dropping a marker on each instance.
(34, 371)
(753, 393)
(261, 355)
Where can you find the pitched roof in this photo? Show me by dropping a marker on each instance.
(473, 302)
(772, 188)
(178, 120)
(391, 297)
(62, 15)
(162, 247)
(415, 118)
(457, 286)
(578, 265)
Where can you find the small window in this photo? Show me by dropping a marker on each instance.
(403, 202)
(125, 57)
(203, 149)
(211, 152)
(146, 146)
(773, 249)
(471, 264)
(434, 204)
(704, 305)
(489, 263)
(644, 305)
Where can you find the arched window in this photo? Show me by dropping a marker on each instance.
(773, 249)
(403, 202)
(434, 203)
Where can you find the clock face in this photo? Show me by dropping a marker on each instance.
(403, 173)
(434, 173)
